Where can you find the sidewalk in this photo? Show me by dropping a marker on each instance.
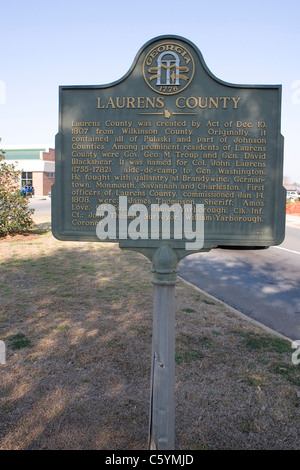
(293, 220)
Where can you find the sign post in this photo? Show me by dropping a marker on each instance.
(162, 401)
(169, 160)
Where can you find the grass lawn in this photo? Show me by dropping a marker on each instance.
(76, 319)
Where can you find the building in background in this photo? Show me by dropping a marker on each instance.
(37, 166)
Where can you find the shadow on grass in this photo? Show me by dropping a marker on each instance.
(41, 227)
(76, 319)
(81, 379)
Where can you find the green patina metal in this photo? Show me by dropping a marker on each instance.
(170, 132)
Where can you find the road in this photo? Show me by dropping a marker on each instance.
(40, 205)
(264, 284)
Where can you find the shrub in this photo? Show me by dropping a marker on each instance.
(15, 215)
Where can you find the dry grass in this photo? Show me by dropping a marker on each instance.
(77, 375)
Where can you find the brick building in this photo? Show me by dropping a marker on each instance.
(37, 166)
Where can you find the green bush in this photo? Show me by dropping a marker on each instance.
(15, 215)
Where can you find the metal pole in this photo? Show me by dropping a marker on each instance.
(162, 400)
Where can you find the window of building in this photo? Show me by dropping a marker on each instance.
(49, 175)
(26, 178)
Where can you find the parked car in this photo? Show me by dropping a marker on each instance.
(292, 195)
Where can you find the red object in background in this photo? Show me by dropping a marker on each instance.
(293, 209)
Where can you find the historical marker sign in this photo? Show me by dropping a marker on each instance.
(170, 143)
(169, 152)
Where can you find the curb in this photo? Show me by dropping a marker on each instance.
(238, 313)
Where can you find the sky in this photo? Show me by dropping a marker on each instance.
(69, 42)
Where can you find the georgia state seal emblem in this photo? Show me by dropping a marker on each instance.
(168, 68)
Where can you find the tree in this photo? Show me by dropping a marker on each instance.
(15, 215)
